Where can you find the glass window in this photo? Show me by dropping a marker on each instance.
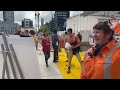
(64, 13)
(59, 12)
(27, 24)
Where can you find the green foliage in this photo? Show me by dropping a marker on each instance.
(44, 30)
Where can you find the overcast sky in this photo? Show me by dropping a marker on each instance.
(20, 15)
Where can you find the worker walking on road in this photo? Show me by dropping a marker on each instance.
(66, 40)
(80, 37)
(75, 43)
(32, 34)
(102, 61)
(55, 44)
(46, 48)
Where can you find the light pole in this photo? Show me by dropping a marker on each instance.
(35, 21)
(38, 19)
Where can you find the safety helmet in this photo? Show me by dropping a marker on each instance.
(67, 45)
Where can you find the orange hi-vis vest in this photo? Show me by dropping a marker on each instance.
(106, 65)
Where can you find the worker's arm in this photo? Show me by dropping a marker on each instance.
(116, 25)
(83, 76)
(117, 29)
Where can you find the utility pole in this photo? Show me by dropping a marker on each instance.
(35, 21)
(37, 14)
(51, 21)
(38, 20)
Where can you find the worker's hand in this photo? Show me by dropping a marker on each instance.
(115, 22)
(114, 17)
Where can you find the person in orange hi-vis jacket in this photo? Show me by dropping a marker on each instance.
(102, 61)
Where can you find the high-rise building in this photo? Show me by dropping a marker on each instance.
(52, 25)
(42, 22)
(8, 17)
(27, 23)
(60, 19)
(8, 25)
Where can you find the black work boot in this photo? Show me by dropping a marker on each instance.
(68, 70)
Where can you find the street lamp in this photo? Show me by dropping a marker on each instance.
(35, 21)
(38, 19)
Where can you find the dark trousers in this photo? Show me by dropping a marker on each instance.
(47, 56)
(55, 52)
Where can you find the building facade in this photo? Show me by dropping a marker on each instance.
(8, 16)
(52, 25)
(27, 23)
(8, 25)
(42, 22)
(84, 22)
(60, 19)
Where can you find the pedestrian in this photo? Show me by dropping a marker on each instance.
(75, 46)
(26, 33)
(32, 34)
(102, 61)
(80, 37)
(66, 41)
(55, 44)
(46, 48)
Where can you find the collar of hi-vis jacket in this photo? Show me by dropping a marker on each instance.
(108, 46)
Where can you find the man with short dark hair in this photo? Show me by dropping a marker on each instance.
(80, 37)
(75, 44)
(55, 44)
(32, 34)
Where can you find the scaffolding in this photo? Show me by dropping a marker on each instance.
(9, 52)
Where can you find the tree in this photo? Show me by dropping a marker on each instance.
(44, 29)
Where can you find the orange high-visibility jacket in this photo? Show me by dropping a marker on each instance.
(106, 65)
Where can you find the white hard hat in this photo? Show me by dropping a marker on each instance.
(67, 45)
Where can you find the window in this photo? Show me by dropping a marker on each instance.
(27, 24)
(59, 12)
(2, 27)
(27, 21)
(64, 13)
